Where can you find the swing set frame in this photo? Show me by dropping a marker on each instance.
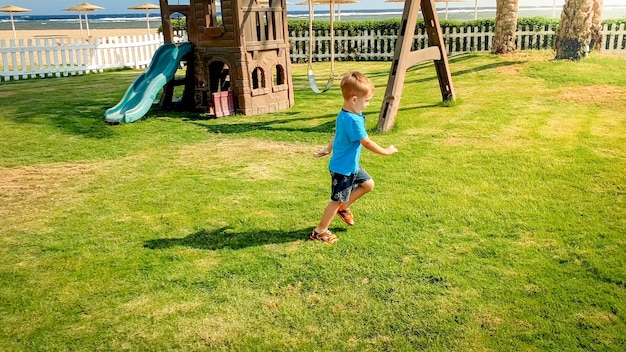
(405, 58)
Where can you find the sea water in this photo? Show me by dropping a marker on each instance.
(23, 21)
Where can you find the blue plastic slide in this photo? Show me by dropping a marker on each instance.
(141, 94)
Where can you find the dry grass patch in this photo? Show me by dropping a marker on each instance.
(595, 319)
(215, 330)
(512, 70)
(530, 56)
(562, 127)
(522, 58)
(609, 125)
(514, 135)
(462, 141)
(532, 289)
(28, 193)
(602, 94)
(25, 192)
(530, 240)
(253, 159)
(489, 321)
(36, 181)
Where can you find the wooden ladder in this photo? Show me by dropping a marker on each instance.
(405, 58)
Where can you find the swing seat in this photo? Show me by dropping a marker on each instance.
(314, 87)
(312, 83)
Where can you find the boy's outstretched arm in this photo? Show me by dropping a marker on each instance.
(326, 150)
(372, 146)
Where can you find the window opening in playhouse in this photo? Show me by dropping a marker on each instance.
(274, 26)
(220, 20)
(178, 2)
(213, 14)
(264, 22)
(261, 25)
(179, 27)
(280, 76)
(258, 78)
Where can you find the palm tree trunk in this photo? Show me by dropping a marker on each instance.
(506, 26)
(596, 26)
(574, 33)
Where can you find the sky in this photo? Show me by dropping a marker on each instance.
(56, 7)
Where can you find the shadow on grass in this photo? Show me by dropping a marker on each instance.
(275, 125)
(462, 57)
(226, 237)
(464, 72)
(84, 121)
(485, 67)
(271, 125)
(280, 124)
(85, 125)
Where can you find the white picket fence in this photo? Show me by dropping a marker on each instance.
(379, 46)
(59, 57)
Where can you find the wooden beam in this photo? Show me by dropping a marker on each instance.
(405, 58)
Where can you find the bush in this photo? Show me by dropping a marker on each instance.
(178, 24)
(537, 22)
(392, 25)
(615, 22)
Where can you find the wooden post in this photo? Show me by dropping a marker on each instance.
(405, 58)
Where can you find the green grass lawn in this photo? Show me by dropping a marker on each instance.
(499, 226)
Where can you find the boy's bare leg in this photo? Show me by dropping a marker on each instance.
(359, 192)
(328, 216)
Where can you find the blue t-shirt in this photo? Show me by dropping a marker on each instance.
(349, 130)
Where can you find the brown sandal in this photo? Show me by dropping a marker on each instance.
(346, 216)
(326, 237)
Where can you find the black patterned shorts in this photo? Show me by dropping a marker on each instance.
(342, 185)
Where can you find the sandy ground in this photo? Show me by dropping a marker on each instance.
(71, 33)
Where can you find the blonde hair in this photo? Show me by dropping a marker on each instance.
(356, 84)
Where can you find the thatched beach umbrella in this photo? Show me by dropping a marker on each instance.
(84, 7)
(146, 7)
(10, 9)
